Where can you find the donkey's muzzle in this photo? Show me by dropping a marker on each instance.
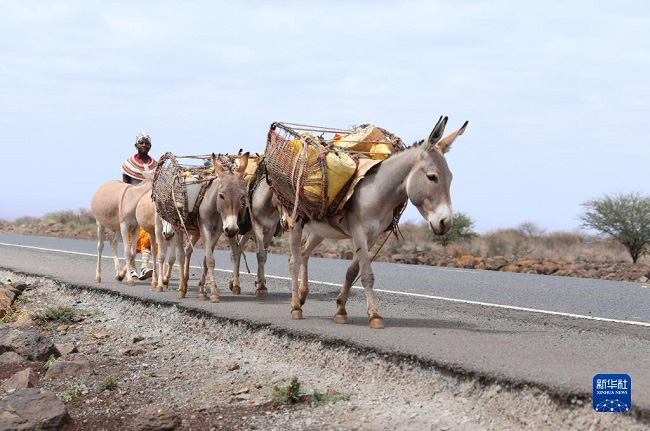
(231, 231)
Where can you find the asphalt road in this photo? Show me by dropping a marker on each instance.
(552, 332)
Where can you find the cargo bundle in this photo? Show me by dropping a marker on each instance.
(317, 168)
(178, 188)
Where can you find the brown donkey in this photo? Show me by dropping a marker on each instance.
(113, 206)
(420, 174)
(219, 212)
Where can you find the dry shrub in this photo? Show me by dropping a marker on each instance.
(27, 220)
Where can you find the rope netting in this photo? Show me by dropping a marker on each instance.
(169, 191)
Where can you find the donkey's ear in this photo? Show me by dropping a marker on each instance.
(445, 144)
(243, 162)
(436, 134)
(218, 167)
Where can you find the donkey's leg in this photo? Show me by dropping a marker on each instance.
(262, 240)
(182, 256)
(295, 238)
(100, 247)
(133, 254)
(204, 274)
(367, 279)
(160, 259)
(204, 268)
(210, 239)
(113, 241)
(341, 315)
(235, 258)
(185, 270)
(236, 251)
(173, 246)
(311, 243)
(154, 251)
(124, 231)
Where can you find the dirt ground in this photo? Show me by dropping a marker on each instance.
(218, 375)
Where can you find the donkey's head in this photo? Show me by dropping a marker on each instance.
(428, 182)
(231, 193)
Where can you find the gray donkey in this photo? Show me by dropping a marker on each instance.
(222, 203)
(264, 219)
(420, 174)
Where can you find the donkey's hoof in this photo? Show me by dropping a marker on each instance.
(160, 288)
(166, 281)
(214, 298)
(341, 318)
(98, 279)
(376, 322)
(120, 277)
(262, 293)
(180, 294)
(296, 314)
(234, 288)
(131, 283)
(203, 297)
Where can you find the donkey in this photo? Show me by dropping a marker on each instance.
(420, 174)
(113, 206)
(264, 218)
(147, 216)
(223, 201)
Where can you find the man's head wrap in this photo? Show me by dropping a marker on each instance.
(142, 136)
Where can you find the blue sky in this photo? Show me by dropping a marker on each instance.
(557, 93)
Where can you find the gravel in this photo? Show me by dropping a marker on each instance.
(185, 363)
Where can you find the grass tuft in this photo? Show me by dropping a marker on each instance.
(49, 362)
(108, 384)
(289, 394)
(70, 394)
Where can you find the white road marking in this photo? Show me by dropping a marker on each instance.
(394, 292)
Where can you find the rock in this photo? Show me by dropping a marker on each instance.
(526, 262)
(232, 366)
(21, 287)
(331, 392)
(68, 368)
(24, 379)
(243, 390)
(133, 352)
(11, 358)
(156, 419)
(549, 268)
(66, 348)
(537, 268)
(62, 328)
(9, 293)
(101, 335)
(29, 344)
(243, 397)
(6, 299)
(511, 268)
(495, 263)
(643, 279)
(138, 338)
(33, 409)
(468, 262)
